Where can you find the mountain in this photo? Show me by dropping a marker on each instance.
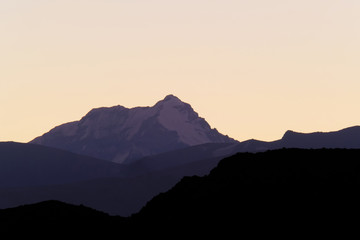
(33, 165)
(286, 192)
(344, 138)
(115, 193)
(282, 191)
(123, 135)
(127, 194)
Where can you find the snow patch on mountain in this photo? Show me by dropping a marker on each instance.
(178, 116)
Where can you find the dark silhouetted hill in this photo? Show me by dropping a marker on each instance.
(55, 219)
(281, 190)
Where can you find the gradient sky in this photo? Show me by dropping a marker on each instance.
(251, 68)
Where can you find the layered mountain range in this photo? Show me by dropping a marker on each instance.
(123, 135)
(286, 192)
(116, 159)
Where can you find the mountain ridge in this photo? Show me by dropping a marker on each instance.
(344, 138)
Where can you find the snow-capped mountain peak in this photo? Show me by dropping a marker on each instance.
(173, 99)
(124, 134)
(178, 116)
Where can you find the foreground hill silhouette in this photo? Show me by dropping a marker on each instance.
(280, 190)
(55, 218)
(288, 191)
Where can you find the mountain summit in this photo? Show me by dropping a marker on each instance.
(122, 135)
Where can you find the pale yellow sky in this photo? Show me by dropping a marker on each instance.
(252, 68)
